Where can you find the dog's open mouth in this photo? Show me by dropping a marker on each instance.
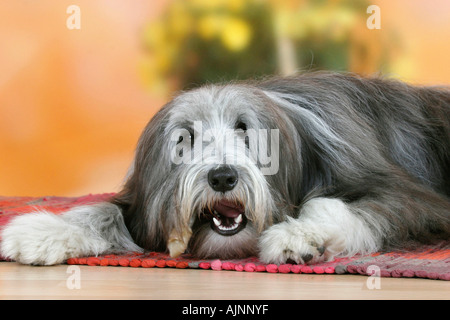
(228, 218)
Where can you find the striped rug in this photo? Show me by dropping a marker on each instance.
(431, 262)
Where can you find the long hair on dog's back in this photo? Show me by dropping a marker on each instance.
(362, 165)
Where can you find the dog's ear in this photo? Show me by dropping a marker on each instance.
(285, 181)
(144, 197)
(302, 168)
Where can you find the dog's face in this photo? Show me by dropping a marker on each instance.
(207, 174)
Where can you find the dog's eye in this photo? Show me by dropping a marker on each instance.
(190, 137)
(241, 126)
(189, 140)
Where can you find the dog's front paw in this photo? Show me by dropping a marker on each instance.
(299, 242)
(41, 239)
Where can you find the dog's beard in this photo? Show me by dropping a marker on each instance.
(206, 243)
(223, 224)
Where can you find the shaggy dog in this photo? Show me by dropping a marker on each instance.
(299, 169)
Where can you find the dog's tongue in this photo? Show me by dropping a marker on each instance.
(228, 209)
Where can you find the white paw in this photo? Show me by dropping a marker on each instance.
(43, 239)
(299, 242)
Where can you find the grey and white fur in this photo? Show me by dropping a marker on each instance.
(364, 165)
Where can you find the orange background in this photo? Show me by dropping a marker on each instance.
(72, 102)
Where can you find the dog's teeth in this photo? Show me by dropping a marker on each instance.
(217, 222)
(222, 227)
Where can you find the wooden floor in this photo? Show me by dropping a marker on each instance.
(84, 282)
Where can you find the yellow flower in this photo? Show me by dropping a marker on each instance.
(236, 5)
(208, 4)
(319, 19)
(236, 34)
(211, 5)
(180, 20)
(209, 26)
(155, 34)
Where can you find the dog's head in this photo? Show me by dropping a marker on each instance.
(213, 169)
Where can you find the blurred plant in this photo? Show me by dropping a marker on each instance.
(204, 41)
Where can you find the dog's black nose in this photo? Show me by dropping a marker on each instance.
(223, 178)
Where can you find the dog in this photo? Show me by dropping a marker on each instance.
(357, 165)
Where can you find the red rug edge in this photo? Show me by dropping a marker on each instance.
(13, 206)
(355, 265)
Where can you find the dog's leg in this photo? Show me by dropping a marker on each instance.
(326, 227)
(44, 238)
